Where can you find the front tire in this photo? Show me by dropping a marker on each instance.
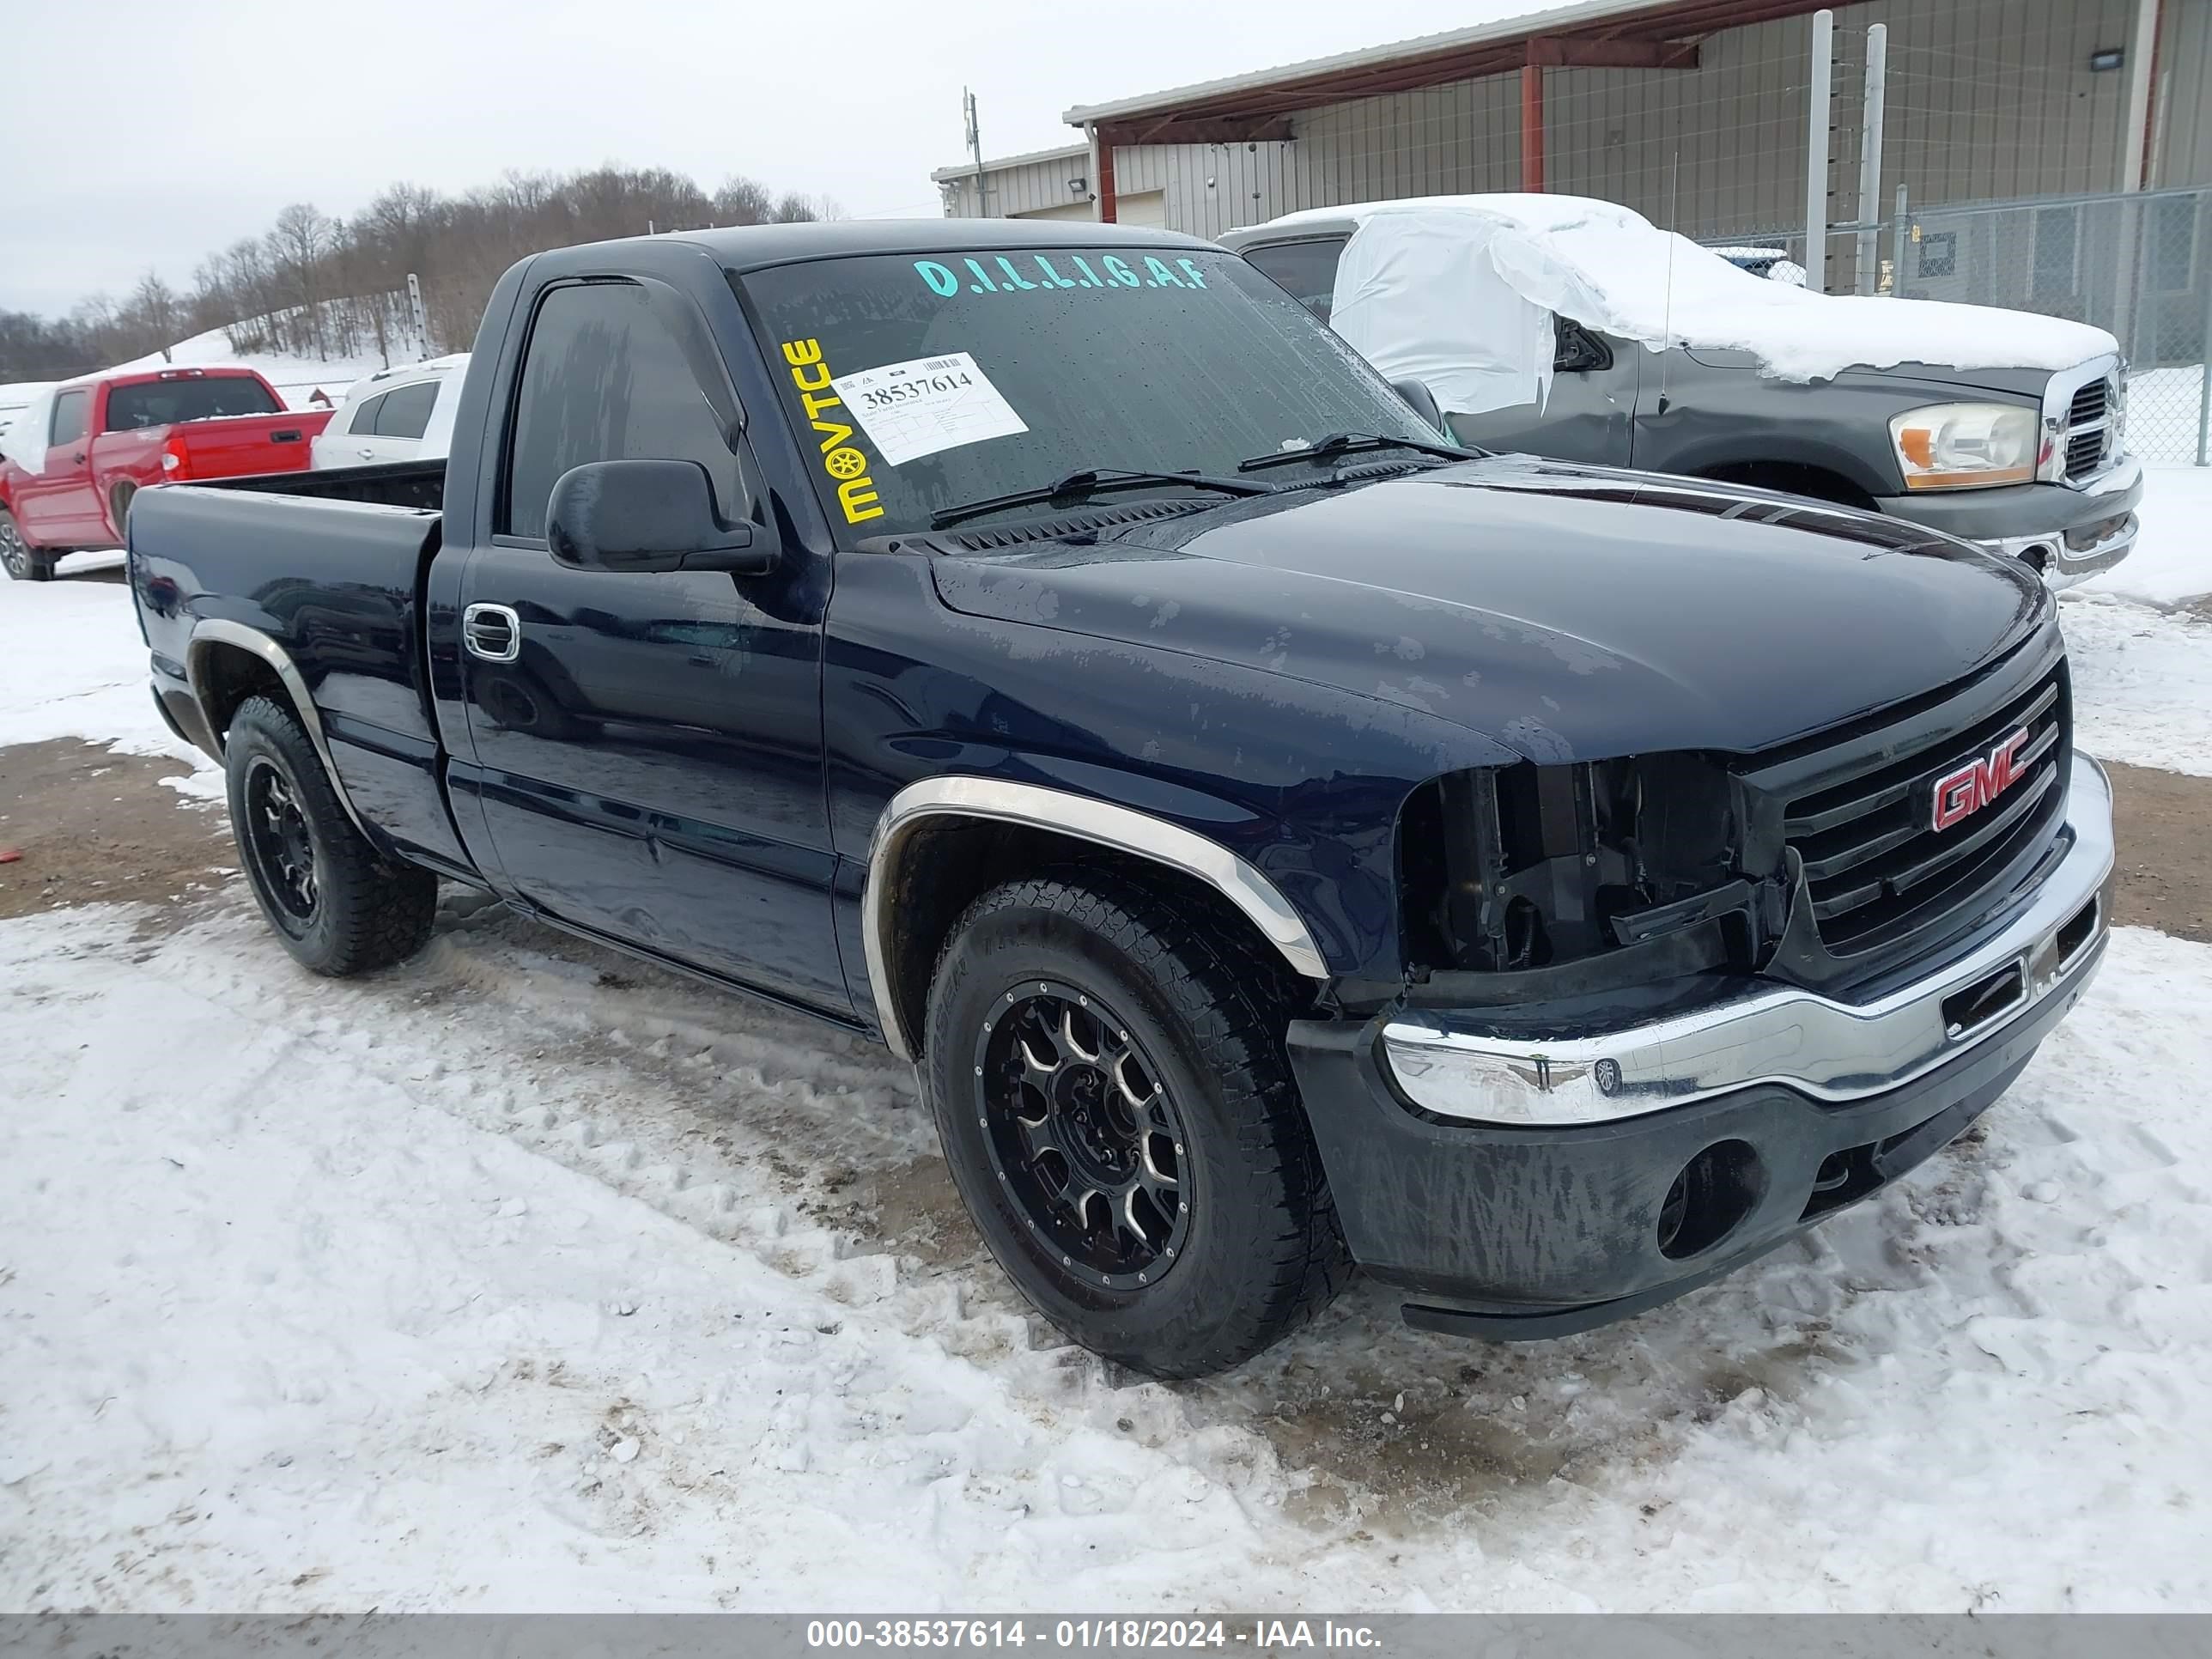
(23, 562)
(339, 906)
(1109, 1080)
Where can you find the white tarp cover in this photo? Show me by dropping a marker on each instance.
(1421, 296)
(1420, 278)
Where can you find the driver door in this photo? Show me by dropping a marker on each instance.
(56, 505)
(1590, 414)
(650, 743)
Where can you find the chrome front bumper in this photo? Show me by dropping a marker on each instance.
(1455, 1066)
(2071, 557)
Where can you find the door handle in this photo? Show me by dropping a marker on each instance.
(493, 632)
(366, 454)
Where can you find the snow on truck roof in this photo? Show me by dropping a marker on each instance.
(1410, 268)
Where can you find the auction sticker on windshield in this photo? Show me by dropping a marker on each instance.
(916, 408)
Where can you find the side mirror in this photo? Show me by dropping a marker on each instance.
(648, 517)
(1422, 401)
(1577, 349)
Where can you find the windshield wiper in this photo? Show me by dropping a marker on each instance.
(1089, 481)
(1346, 443)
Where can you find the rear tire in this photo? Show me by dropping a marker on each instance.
(23, 562)
(339, 906)
(1154, 1190)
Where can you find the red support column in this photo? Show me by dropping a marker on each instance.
(1532, 123)
(1108, 208)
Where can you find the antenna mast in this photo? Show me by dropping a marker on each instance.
(974, 149)
(1666, 314)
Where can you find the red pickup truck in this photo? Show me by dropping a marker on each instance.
(78, 454)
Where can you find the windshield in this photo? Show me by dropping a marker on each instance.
(165, 403)
(927, 383)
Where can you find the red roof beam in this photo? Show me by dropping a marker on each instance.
(1565, 51)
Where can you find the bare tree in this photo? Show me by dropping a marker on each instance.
(743, 201)
(319, 286)
(297, 244)
(153, 303)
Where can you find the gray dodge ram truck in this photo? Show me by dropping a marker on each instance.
(2024, 461)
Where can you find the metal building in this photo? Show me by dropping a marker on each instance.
(1695, 112)
(2054, 156)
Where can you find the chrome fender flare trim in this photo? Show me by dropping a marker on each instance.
(1085, 819)
(216, 631)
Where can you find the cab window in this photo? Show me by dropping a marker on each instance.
(363, 422)
(406, 412)
(71, 408)
(603, 378)
(1305, 270)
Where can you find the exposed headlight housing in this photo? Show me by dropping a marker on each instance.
(1966, 445)
(1528, 868)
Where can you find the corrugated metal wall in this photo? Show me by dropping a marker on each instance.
(1988, 100)
(2181, 135)
(1027, 187)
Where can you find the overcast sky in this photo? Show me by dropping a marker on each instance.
(242, 106)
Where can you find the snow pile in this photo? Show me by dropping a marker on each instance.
(27, 421)
(16, 419)
(1612, 270)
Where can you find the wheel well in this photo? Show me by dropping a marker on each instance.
(1794, 478)
(225, 676)
(948, 862)
(118, 505)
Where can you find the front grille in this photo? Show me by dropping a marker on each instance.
(1876, 868)
(2091, 429)
(2084, 451)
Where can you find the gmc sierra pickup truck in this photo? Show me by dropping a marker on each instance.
(1281, 839)
(82, 450)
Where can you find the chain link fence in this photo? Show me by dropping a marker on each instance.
(2138, 265)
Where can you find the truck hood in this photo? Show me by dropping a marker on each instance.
(1568, 613)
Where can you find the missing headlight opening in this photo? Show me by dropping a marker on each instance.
(1527, 866)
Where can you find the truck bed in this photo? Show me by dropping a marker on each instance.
(396, 483)
(354, 547)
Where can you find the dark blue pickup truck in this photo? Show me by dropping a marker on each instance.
(1281, 840)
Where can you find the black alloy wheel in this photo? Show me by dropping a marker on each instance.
(1083, 1135)
(278, 841)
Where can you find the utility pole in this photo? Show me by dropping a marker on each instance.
(974, 149)
(1877, 75)
(1816, 153)
(421, 317)
(1817, 120)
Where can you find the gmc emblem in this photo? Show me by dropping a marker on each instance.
(1962, 793)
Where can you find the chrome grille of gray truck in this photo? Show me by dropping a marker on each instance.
(2089, 437)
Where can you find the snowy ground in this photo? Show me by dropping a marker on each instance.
(2172, 560)
(522, 1277)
